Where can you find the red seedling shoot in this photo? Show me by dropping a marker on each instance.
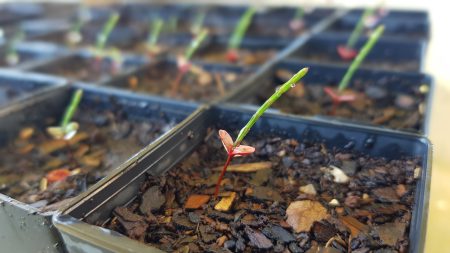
(232, 55)
(337, 98)
(232, 151)
(346, 53)
(183, 66)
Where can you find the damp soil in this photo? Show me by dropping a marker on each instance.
(82, 68)
(392, 65)
(197, 85)
(218, 54)
(375, 103)
(105, 140)
(283, 198)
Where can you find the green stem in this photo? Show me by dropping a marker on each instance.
(198, 22)
(299, 13)
(173, 24)
(359, 27)
(195, 44)
(76, 28)
(284, 88)
(72, 107)
(360, 57)
(12, 44)
(155, 30)
(102, 38)
(241, 28)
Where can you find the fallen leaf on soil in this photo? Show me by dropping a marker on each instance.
(390, 233)
(302, 214)
(247, 167)
(354, 225)
(196, 201)
(53, 145)
(264, 193)
(226, 202)
(134, 224)
(308, 189)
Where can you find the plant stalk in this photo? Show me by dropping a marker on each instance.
(195, 44)
(241, 28)
(102, 38)
(71, 109)
(229, 158)
(351, 42)
(155, 30)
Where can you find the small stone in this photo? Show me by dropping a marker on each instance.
(230, 244)
(334, 202)
(352, 201)
(258, 239)
(193, 217)
(278, 233)
(404, 101)
(349, 167)
(196, 201)
(308, 189)
(338, 175)
(26, 133)
(424, 88)
(417, 171)
(226, 203)
(365, 196)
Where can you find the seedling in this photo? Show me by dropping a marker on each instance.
(341, 96)
(184, 62)
(12, 57)
(348, 52)
(153, 35)
(239, 33)
(74, 36)
(297, 23)
(197, 25)
(103, 36)
(235, 148)
(172, 25)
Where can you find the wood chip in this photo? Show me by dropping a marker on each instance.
(354, 225)
(196, 201)
(247, 167)
(302, 214)
(26, 133)
(225, 203)
(54, 145)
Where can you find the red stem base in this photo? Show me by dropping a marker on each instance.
(337, 98)
(229, 158)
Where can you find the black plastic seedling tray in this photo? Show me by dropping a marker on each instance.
(17, 87)
(387, 54)
(15, 12)
(97, 206)
(411, 25)
(263, 84)
(82, 66)
(168, 68)
(23, 223)
(31, 53)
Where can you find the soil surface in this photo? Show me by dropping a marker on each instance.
(286, 197)
(374, 104)
(82, 68)
(246, 56)
(8, 93)
(412, 66)
(105, 140)
(197, 85)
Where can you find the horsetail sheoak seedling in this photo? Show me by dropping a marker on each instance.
(197, 25)
(153, 35)
(74, 35)
(12, 57)
(340, 96)
(235, 148)
(103, 36)
(297, 23)
(239, 33)
(348, 52)
(67, 128)
(184, 62)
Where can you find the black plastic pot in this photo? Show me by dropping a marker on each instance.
(169, 68)
(17, 88)
(263, 85)
(31, 53)
(96, 207)
(27, 229)
(83, 66)
(413, 25)
(387, 54)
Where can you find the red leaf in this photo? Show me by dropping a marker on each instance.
(226, 139)
(243, 150)
(339, 98)
(346, 53)
(57, 175)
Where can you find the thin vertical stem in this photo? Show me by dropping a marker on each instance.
(229, 158)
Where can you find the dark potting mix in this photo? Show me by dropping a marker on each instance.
(43, 172)
(288, 196)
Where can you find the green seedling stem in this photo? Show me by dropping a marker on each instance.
(195, 44)
(241, 28)
(71, 108)
(12, 44)
(360, 57)
(102, 38)
(299, 13)
(155, 30)
(198, 22)
(351, 42)
(282, 89)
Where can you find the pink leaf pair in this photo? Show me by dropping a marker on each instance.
(227, 141)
